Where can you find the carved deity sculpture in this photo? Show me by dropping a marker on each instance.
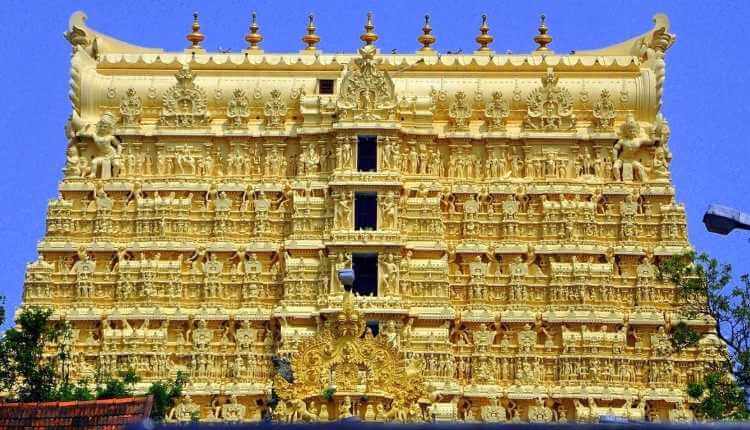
(275, 110)
(549, 107)
(389, 211)
(604, 112)
(233, 411)
(390, 268)
(367, 93)
(496, 112)
(186, 410)
(460, 111)
(107, 150)
(131, 108)
(185, 104)
(627, 165)
(344, 210)
(238, 109)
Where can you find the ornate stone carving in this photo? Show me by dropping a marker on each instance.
(604, 112)
(627, 165)
(496, 112)
(275, 110)
(549, 107)
(460, 111)
(185, 104)
(238, 109)
(366, 91)
(106, 150)
(338, 356)
(131, 108)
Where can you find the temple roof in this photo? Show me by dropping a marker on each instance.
(113, 52)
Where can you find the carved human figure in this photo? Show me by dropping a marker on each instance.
(105, 163)
(344, 210)
(233, 410)
(184, 411)
(627, 165)
(389, 268)
(75, 165)
(389, 211)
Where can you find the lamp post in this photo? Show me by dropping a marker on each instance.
(722, 220)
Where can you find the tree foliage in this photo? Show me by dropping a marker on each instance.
(25, 372)
(34, 360)
(165, 394)
(719, 397)
(706, 289)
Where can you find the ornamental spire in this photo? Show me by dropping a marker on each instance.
(426, 39)
(369, 36)
(196, 37)
(253, 38)
(311, 39)
(484, 38)
(543, 39)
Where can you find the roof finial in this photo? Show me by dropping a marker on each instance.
(253, 38)
(311, 39)
(427, 38)
(484, 38)
(369, 36)
(543, 39)
(196, 37)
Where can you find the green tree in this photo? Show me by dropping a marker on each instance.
(165, 395)
(25, 372)
(114, 387)
(706, 289)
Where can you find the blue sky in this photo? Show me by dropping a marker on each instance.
(705, 97)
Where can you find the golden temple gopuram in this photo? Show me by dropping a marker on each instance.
(504, 215)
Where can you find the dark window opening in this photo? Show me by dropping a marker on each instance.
(365, 211)
(365, 274)
(373, 326)
(367, 153)
(325, 86)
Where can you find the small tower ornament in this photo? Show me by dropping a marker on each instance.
(369, 37)
(196, 37)
(543, 39)
(426, 39)
(311, 39)
(484, 39)
(253, 38)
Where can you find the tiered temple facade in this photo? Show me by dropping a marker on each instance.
(504, 214)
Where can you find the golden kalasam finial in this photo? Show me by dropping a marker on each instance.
(543, 39)
(311, 39)
(196, 37)
(253, 38)
(484, 38)
(369, 36)
(427, 38)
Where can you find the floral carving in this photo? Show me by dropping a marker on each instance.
(185, 104)
(549, 107)
(131, 108)
(366, 92)
(496, 112)
(275, 110)
(238, 109)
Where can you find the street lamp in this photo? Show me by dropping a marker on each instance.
(723, 219)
